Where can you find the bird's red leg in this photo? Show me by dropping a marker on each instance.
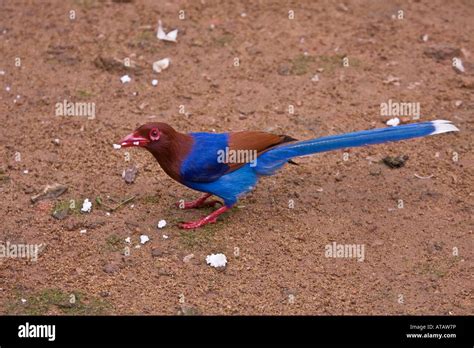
(198, 203)
(210, 219)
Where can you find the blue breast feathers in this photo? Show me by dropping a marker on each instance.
(202, 165)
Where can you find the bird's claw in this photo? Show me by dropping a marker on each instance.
(210, 219)
(196, 224)
(197, 205)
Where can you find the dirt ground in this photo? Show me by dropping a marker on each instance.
(417, 233)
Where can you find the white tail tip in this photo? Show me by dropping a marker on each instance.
(443, 126)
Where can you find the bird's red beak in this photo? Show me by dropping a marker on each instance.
(134, 139)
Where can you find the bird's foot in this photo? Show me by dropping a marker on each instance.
(210, 219)
(196, 224)
(198, 203)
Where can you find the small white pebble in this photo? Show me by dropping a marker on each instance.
(56, 141)
(315, 78)
(25, 171)
(107, 213)
(154, 82)
(127, 240)
(161, 223)
(144, 238)
(243, 15)
(23, 300)
(132, 206)
(138, 246)
(425, 38)
(18, 96)
(165, 236)
(216, 260)
(86, 206)
(2, 72)
(7, 88)
(82, 231)
(117, 146)
(458, 103)
(393, 122)
(125, 79)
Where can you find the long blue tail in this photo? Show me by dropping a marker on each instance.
(270, 161)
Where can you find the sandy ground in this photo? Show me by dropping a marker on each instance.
(417, 234)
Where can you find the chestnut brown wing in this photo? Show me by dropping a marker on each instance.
(255, 142)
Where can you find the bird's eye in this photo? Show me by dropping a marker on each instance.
(154, 134)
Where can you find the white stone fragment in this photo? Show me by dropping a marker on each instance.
(125, 79)
(161, 223)
(161, 35)
(144, 238)
(117, 146)
(154, 82)
(86, 206)
(161, 65)
(216, 260)
(393, 122)
(457, 64)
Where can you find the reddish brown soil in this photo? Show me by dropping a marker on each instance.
(281, 268)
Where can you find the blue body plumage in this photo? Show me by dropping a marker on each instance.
(234, 184)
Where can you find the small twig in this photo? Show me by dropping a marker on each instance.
(423, 177)
(125, 202)
(111, 209)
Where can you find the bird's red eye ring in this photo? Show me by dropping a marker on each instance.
(154, 134)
